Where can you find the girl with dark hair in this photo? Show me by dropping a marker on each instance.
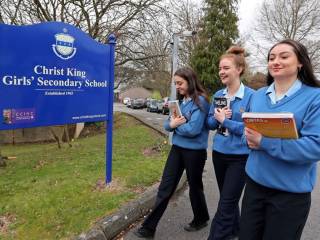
(188, 152)
(229, 152)
(194, 86)
(282, 172)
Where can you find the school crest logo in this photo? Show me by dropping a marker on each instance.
(64, 48)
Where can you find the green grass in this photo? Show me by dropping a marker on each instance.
(51, 193)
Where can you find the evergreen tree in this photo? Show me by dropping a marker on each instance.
(219, 31)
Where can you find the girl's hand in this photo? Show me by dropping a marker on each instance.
(177, 121)
(228, 112)
(253, 138)
(219, 115)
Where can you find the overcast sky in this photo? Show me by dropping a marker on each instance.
(248, 14)
(248, 10)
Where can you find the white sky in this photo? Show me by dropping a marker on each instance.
(248, 12)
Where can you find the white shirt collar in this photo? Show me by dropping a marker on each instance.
(271, 92)
(239, 93)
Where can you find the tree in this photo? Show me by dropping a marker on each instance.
(156, 70)
(143, 28)
(132, 21)
(257, 80)
(179, 16)
(289, 19)
(219, 32)
(186, 16)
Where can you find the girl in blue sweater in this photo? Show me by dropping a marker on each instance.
(229, 151)
(188, 152)
(282, 172)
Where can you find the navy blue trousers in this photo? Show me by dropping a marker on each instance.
(181, 159)
(230, 175)
(271, 214)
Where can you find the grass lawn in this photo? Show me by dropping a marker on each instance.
(51, 193)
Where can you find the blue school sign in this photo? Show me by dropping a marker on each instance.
(52, 74)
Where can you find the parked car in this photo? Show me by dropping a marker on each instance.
(129, 103)
(165, 107)
(147, 102)
(159, 106)
(126, 100)
(137, 103)
(152, 106)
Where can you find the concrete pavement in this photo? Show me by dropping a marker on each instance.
(154, 120)
(179, 212)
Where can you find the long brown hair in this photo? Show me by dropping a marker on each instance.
(195, 89)
(305, 74)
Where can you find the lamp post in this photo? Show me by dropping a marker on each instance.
(173, 94)
(175, 48)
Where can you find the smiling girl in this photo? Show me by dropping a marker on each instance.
(282, 172)
(229, 152)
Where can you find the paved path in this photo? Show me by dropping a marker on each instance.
(179, 210)
(154, 119)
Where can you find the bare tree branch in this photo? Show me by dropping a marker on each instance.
(293, 19)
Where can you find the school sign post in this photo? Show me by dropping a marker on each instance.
(53, 73)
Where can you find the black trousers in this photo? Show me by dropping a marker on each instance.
(193, 162)
(270, 214)
(230, 174)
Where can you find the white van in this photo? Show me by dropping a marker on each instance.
(126, 100)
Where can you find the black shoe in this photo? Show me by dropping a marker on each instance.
(144, 233)
(192, 227)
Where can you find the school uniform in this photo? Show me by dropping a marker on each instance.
(229, 157)
(282, 172)
(188, 152)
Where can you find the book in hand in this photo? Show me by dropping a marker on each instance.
(274, 125)
(174, 108)
(221, 102)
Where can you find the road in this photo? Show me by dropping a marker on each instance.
(155, 119)
(179, 210)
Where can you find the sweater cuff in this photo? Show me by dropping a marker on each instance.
(226, 123)
(167, 126)
(266, 143)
